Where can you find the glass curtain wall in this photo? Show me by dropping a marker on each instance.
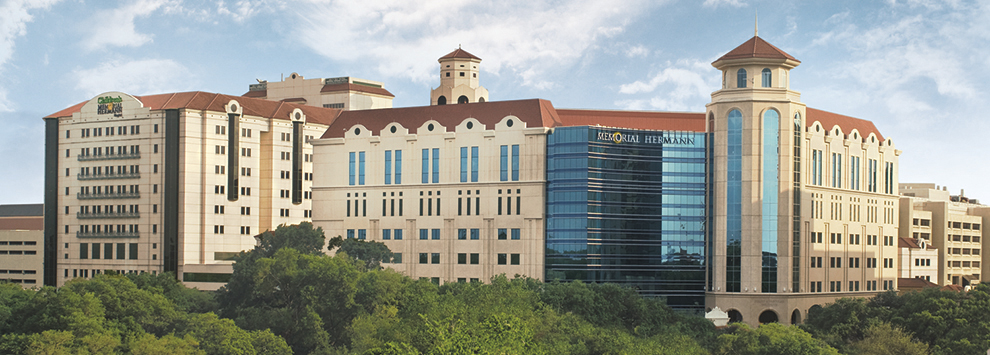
(627, 207)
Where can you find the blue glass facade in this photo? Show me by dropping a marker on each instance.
(628, 207)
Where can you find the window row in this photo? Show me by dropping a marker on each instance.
(109, 131)
(817, 177)
(123, 250)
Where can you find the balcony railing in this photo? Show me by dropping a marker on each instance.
(109, 176)
(107, 234)
(109, 156)
(124, 195)
(81, 215)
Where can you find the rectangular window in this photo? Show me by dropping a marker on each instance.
(424, 234)
(503, 234)
(426, 166)
(388, 167)
(474, 164)
(133, 251)
(462, 234)
(503, 163)
(120, 251)
(515, 162)
(398, 167)
(397, 258)
(502, 259)
(436, 234)
(436, 165)
(474, 259)
(360, 168)
(362, 234)
(351, 168)
(424, 258)
(397, 234)
(84, 250)
(434, 258)
(464, 164)
(871, 175)
(514, 259)
(96, 251)
(462, 259)
(475, 234)
(350, 234)
(836, 170)
(515, 234)
(108, 250)
(386, 234)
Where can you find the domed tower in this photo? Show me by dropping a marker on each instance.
(458, 80)
(755, 121)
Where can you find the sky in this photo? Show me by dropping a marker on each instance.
(919, 69)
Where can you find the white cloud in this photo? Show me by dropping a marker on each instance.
(529, 39)
(678, 87)
(716, 3)
(14, 17)
(116, 28)
(637, 51)
(242, 10)
(138, 77)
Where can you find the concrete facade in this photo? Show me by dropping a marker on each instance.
(173, 182)
(953, 225)
(21, 244)
(345, 93)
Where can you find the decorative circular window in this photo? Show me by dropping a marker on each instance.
(298, 115)
(357, 131)
(430, 127)
(818, 128)
(508, 123)
(233, 107)
(392, 129)
(873, 139)
(470, 125)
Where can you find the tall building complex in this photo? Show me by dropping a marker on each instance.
(21, 244)
(174, 182)
(345, 93)
(953, 225)
(802, 202)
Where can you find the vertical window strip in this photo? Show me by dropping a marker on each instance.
(426, 166)
(351, 168)
(436, 165)
(515, 162)
(464, 165)
(503, 163)
(474, 164)
(360, 168)
(388, 167)
(398, 167)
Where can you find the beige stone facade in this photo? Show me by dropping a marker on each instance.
(21, 244)
(952, 225)
(918, 259)
(812, 224)
(439, 186)
(459, 82)
(174, 182)
(345, 93)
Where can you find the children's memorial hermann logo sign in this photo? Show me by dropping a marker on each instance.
(110, 105)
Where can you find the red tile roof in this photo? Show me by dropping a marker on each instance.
(22, 223)
(904, 242)
(356, 87)
(460, 53)
(660, 121)
(535, 112)
(199, 100)
(914, 283)
(828, 120)
(756, 47)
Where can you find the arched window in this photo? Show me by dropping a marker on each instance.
(733, 199)
(741, 78)
(481, 99)
(767, 76)
(462, 100)
(442, 100)
(768, 316)
(771, 189)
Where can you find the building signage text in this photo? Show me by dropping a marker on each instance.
(662, 139)
(110, 105)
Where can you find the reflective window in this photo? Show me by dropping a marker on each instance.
(771, 181)
(767, 76)
(741, 78)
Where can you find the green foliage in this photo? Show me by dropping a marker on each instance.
(884, 339)
(185, 299)
(371, 253)
(947, 322)
(302, 237)
(768, 339)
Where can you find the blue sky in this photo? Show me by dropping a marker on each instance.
(918, 69)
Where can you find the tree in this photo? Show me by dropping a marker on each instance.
(371, 253)
(771, 338)
(884, 339)
(301, 237)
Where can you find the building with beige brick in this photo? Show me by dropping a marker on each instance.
(22, 244)
(953, 225)
(803, 202)
(345, 93)
(918, 259)
(176, 182)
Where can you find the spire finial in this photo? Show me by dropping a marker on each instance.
(756, 25)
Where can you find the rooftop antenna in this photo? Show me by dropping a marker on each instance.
(756, 25)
